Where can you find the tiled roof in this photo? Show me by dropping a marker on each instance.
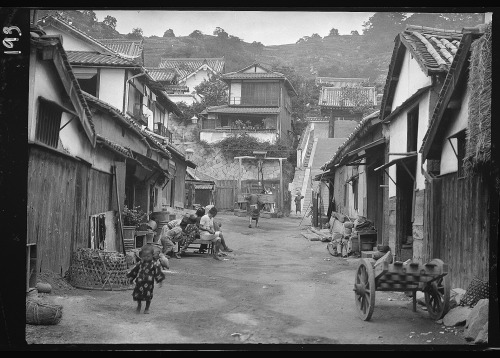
(434, 49)
(94, 58)
(126, 120)
(358, 128)
(123, 150)
(458, 65)
(176, 88)
(186, 66)
(86, 116)
(238, 110)
(337, 97)
(61, 24)
(340, 82)
(132, 48)
(162, 74)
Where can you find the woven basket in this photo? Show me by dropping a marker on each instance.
(38, 313)
(99, 270)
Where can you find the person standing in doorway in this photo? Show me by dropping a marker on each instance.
(298, 200)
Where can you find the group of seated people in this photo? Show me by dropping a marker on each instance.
(190, 228)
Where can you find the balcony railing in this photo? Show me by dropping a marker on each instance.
(243, 101)
(160, 129)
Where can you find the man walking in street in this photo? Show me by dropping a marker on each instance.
(298, 200)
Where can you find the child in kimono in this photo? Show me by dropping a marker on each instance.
(145, 273)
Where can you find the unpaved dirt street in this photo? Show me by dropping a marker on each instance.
(275, 288)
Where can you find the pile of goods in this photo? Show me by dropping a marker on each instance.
(42, 313)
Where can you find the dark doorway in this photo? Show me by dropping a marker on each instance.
(375, 193)
(404, 205)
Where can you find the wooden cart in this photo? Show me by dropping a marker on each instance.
(430, 278)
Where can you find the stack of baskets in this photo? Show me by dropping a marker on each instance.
(99, 270)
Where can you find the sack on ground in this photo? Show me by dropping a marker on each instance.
(39, 313)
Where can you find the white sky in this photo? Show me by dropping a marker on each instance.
(267, 27)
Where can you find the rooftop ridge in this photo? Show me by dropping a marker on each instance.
(434, 29)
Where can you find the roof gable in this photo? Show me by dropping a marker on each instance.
(63, 26)
(255, 68)
(188, 66)
(125, 47)
(53, 50)
(433, 49)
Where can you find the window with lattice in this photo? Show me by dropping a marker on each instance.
(48, 123)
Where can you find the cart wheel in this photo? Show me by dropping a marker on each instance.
(437, 295)
(364, 289)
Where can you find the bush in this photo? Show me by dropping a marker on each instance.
(132, 217)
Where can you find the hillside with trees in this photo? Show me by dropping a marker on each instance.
(354, 55)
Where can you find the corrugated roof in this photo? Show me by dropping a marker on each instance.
(94, 58)
(242, 110)
(433, 48)
(338, 97)
(132, 48)
(358, 128)
(186, 66)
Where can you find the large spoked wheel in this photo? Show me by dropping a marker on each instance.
(364, 289)
(437, 295)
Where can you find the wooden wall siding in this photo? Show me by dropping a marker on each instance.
(225, 194)
(457, 226)
(51, 200)
(62, 193)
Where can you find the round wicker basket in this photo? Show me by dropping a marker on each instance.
(99, 270)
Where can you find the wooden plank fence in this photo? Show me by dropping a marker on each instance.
(457, 226)
(62, 194)
(225, 194)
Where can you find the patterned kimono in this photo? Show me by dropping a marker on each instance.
(145, 274)
(192, 233)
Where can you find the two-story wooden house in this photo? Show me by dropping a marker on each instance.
(259, 104)
(122, 87)
(190, 72)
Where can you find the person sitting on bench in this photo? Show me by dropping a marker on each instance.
(207, 232)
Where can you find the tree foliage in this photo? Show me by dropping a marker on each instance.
(90, 15)
(196, 34)
(355, 32)
(220, 33)
(135, 34)
(213, 91)
(169, 33)
(110, 21)
(334, 32)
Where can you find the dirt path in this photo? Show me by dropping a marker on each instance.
(276, 287)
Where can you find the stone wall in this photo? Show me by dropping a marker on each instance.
(212, 161)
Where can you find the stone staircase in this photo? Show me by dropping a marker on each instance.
(324, 149)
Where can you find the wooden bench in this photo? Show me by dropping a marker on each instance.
(199, 242)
